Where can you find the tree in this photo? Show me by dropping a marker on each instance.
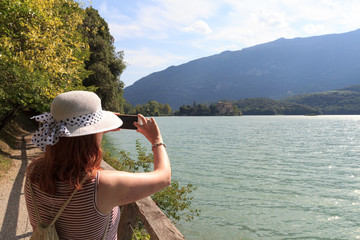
(166, 109)
(42, 53)
(264, 106)
(151, 108)
(105, 64)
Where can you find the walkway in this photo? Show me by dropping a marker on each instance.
(14, 220)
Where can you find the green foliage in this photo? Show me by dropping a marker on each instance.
(121, 160)
(105, 64)
(218, 109)
(173, 200)
(196, 110)
(126, 163)
(151, 108)
(45, 51)
(264, 106)
(41, 53)
(128, 108)
(342, 101)
(139, 232)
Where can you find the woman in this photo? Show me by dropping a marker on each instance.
(71, 139)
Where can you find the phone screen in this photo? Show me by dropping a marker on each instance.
(128, 121)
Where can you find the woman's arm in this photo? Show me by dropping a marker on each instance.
(118, 188)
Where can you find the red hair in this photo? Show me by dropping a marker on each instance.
(68, 160)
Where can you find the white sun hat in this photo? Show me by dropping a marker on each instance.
(73, 114)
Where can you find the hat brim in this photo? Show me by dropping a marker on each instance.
(109, 122)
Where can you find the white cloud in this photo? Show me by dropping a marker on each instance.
(271, 19)
(159, 18)
(186, 11)
(120, 32)
(313, 28)
(149, 58)
(199, 26)
(144, 61)
(247, 23)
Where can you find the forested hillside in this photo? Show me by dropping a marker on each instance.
(342, 101)
(264, 106)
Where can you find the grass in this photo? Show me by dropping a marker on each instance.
(5, 164)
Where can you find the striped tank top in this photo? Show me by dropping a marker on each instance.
(81, 219)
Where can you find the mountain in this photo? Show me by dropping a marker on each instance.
(271, 70)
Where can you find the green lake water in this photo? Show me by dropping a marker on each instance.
(264, 177)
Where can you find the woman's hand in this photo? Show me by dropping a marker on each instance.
(149, 129)
(118, 188)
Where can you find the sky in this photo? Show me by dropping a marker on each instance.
(156, 34)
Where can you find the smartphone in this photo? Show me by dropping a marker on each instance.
(128, 121)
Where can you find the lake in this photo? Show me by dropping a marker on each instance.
(264, 177)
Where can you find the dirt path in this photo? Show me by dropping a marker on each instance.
(14, 220)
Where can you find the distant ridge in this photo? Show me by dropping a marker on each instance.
(273, 70)
(339, 101)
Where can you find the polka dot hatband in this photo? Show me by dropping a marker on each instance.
(50, 131)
